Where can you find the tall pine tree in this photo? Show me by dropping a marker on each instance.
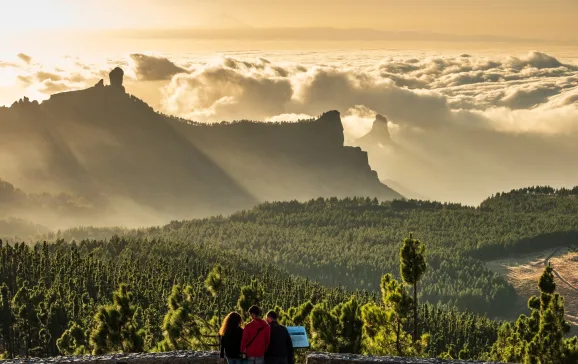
(540, 338)
(412, 268)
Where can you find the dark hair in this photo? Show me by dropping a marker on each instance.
(255, 310)
(231, 321)
(272, 315)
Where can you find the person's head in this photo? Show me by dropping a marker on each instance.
(272, 316)
(255, 312)
(231, 321)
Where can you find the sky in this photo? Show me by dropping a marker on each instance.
(534, 19)
(481, 95)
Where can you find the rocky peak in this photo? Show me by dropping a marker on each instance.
(379, 133)
(380, 127)
(330, 126)
(116, 78)
(24, 102)
(332, 115)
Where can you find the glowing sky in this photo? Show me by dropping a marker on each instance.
(552, 19)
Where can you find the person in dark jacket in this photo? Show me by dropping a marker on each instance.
(280, 350)
(231, 335)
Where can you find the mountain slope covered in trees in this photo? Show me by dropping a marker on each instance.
(63, 292)
(353, 242)
(56, 296)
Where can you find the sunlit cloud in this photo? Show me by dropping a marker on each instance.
(154, 68)
(462, 126)
(24, 57)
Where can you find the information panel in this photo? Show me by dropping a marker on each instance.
(298, 336)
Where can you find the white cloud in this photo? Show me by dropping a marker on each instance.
(228, 89)
(154, 68)
(464, 126)
(25, 58)
(289, 118)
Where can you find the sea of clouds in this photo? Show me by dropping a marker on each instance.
(462, 126)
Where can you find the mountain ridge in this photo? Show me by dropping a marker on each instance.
(106, 145)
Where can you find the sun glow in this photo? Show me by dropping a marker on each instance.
(32, 15)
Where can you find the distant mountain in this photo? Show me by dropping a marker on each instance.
(378, 135)
(13, 229)
(538, 199)
(114, 150)
(391, 159)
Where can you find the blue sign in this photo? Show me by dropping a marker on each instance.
(298, 336)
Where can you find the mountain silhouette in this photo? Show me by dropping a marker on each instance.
(378, 135)
(112, 148)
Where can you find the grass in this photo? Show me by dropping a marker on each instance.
(523, 272)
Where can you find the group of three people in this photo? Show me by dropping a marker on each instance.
(260, 342)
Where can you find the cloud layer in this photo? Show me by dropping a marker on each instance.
(462, 126)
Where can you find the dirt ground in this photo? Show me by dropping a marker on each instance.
(523, 272)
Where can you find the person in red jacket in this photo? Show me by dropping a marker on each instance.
(255, 337)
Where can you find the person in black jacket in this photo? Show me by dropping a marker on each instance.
(280, 349)
(231, 334)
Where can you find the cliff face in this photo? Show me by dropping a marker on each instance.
(104, 143)
(289, 161)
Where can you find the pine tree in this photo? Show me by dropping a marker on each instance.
(323, 329)
(183, 329)
(179, 324)
(399, 303)
(250, 295)
(7, 321)
(73, 341)
(56, 321)
(350, 326)
(27, 323)
(539, 338)
(300, 315)
(384, 325)
(412, 268)
(115, 328)
(214, 284)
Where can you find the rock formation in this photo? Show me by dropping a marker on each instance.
(116, 78)
(100, 83)
(379, 134)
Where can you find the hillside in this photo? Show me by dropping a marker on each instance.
(139, 167)
(50, 288)
(352, 242)
(537, 199)
(345, 244)
(20, 229)
(523, 271)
